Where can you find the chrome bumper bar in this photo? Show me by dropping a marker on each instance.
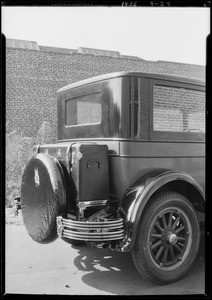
(90, 231)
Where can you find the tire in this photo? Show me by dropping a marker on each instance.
(167, 240)
(43, 197)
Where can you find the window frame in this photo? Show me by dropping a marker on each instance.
(114, 128)
(82, 96)
(173, 135)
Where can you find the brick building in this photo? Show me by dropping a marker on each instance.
(34, 73)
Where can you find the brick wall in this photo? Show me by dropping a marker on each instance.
(34, 76)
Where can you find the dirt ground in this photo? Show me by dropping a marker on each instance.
(61, 269)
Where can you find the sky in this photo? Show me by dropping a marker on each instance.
(168, 34)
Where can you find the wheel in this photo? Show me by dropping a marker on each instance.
(43, 197)
(167, 240)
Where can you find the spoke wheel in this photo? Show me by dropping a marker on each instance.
(167, 239)
(170, 237)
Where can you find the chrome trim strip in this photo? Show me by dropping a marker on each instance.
(94, 234)
(108, 227)
(90, 231)
(92, 238)
(87, 224)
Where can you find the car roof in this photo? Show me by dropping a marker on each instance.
(161, 76)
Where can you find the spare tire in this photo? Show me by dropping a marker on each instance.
(43, 197)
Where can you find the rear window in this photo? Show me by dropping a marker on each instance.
(84, 110)
(178, 109)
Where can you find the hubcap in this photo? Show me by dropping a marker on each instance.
(172, 238)
(169, 237)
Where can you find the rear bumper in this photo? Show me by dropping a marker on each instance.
(90, 231)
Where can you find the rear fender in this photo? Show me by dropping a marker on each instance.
(137, 196)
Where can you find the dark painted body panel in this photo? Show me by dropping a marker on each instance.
(114, 98)
(129, 159)
(133, 148)
(132, 73)
(140, 160)
(185, 157)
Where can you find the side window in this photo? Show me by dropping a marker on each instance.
(178, 109)
(84, 110)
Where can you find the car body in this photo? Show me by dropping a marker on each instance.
(125, 141)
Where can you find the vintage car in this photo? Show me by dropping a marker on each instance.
(127, 171)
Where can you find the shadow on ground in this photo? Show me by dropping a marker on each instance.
(114, 272)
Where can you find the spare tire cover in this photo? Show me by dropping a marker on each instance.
(42, 197)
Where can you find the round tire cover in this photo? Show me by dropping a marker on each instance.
(42, 197)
